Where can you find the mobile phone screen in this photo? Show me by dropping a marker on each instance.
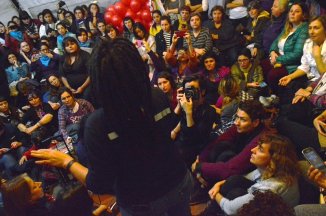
(314, 159)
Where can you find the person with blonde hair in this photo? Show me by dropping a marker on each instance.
(229, 91)
(313, 60)
(287, 48)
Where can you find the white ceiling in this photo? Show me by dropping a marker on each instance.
(7, 8)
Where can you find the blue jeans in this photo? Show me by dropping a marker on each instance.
(173, 203)
(9, 161)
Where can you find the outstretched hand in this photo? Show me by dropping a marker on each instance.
(51, 157)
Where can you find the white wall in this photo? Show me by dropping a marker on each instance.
(7, 10)
(36, 6)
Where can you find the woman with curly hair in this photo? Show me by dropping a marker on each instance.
(277, 171)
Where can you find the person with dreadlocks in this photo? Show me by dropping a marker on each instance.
(128, 140)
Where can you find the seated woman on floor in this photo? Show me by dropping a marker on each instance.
(286, 50)
(9, 114)
(213, 74)
(47, 64)
(277, 171)
(16, 72)
(229, 93)
(225, 39)
(313, 61)
(185, 63)
(23, 196)
(166, 83)
(70, 113)
(39, 116)
(201, 40)
(52, 96)
(248, 74)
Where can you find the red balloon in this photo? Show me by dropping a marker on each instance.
(148, 25)
(120, 9)
(138, 14)
(146, 16)
(110, 9)
(121, 27)
(116, 20)
(130, 13)
(135, 5)
(108, 17)
(137, 19)
(126, 2)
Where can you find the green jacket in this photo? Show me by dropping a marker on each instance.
(293, 48)
(255, 74)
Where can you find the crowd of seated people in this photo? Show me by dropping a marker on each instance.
(224, 67)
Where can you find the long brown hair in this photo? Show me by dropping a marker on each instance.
(229, 89)
(283, 164)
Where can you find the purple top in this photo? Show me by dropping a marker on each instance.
(239, 164)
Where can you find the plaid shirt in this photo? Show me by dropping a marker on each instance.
(65, 114)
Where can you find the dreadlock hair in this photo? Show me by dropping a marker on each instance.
(121, 84)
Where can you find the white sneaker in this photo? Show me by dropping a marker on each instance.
(269, 101)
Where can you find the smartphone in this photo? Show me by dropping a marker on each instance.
(180, 34)
(262, 84)
(314, 159)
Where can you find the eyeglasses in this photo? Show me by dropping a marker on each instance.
(243, 60)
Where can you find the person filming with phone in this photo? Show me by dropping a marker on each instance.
(197, 118)
(317, 171)
(318, 177)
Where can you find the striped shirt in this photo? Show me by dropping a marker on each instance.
(203, 40)
(167, 37)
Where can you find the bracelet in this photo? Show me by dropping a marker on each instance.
(70, 164)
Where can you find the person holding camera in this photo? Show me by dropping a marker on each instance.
(200, 38)
(197, 118)
(185, 63)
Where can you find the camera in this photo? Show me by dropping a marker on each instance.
(180, 34)
(192, 92)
